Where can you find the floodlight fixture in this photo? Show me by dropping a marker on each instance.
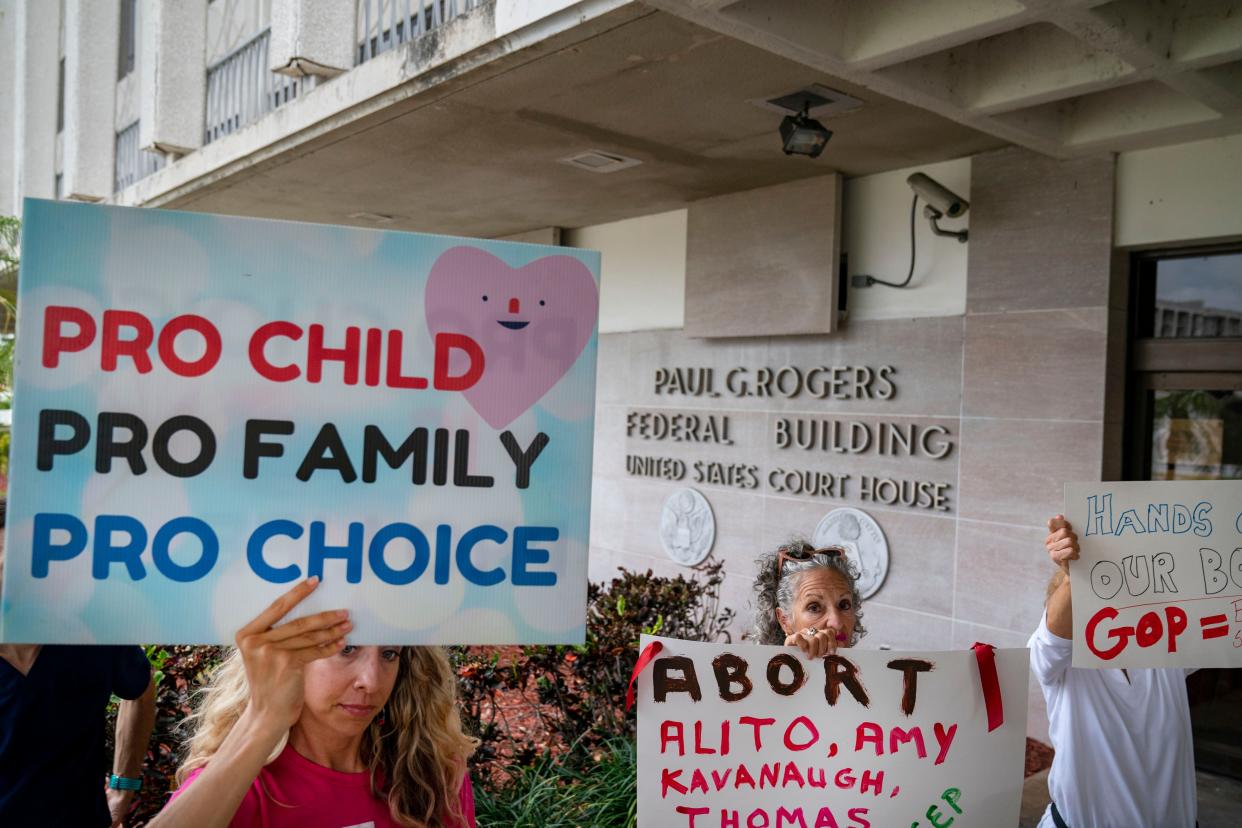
(803, 135)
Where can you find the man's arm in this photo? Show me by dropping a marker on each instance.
(1062, 545)
(134, 721)
(1060, 617)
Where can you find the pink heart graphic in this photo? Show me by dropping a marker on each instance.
(531, 322)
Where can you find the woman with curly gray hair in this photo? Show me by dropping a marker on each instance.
(807, 598)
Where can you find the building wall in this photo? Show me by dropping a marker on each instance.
(8, 73)
(1181, 193)
(1004, 361)
(644, 267)
(643, 278)
(128, 108)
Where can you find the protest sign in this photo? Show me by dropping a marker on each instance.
(1158, 581)
(209, 409)
(763, 737)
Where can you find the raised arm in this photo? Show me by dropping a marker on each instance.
(275, 658)
(134, 720)
(1062, 545)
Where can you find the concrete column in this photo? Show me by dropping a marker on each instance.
(8, 93)
(92, 36)
(37, 59)
(173, 85)
(312, 37)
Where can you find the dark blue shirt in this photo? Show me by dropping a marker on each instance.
(52, 762)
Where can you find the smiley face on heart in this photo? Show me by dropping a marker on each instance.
(531, 322)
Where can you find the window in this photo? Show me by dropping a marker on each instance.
(129, 38)
(1184, 422)
(60, 98)
(1185, 388)
(1192, 296)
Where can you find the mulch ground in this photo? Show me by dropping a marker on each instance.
(1038, 756)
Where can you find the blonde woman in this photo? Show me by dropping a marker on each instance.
(298, 728)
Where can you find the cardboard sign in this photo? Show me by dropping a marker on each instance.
(1158, 582)
(760, 737)
(209, 409)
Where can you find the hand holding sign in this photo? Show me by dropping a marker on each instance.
(816, 643)
(276, 656)
(1062, 543)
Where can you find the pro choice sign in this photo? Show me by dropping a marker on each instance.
(209, 409)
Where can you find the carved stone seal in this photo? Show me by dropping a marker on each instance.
(687, 527)
(864, 544)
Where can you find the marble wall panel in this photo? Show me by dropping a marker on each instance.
(609, 451)
(747, 433)
(855, 476)
(638, 562)
(896, 628)
(1002, 572)
(736, 594)
(920, 551)
(925, 353)
(764, 261)
(603, 563)
(1014, 471)
(652, 352)
(613, 381)
(1041, 231)
(738, 518)
(1038, 364)
(607, 512)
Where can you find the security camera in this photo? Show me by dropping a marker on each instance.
(940, 202)
(939, 197)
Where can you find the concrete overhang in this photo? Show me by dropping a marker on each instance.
(1066, 78)
(465, 135)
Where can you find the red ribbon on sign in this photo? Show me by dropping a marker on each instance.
(985, 654)
(644, 658)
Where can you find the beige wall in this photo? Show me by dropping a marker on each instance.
(643, 271)
(1179, 194)
(877, 240)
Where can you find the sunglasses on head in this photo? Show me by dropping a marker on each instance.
(803, 554)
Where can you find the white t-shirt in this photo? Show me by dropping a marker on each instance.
(1124, 752)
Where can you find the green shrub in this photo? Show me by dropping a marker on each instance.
(581, 690)
(553, 794)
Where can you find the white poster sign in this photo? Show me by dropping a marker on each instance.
(763, 737)
(1158, 582)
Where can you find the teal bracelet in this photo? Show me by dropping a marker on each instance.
(124, 783)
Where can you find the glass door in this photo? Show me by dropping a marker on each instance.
(1184, 422)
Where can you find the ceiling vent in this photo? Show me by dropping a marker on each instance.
(819, 101)
(597, 161)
